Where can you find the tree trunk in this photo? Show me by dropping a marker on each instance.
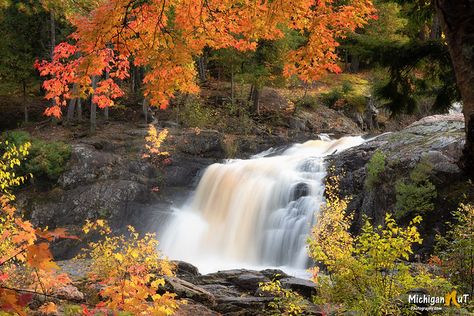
(53, 32)
(132, 78)
(93, 107)
(106, 109)
(256, 100)
(435, 32)
(145, 109)
(202, 68)
(232, 86)
(79, 109)
(250, 93)
(70, 109)
(355, 62)
(457, 18)
(72, 104)
(25, 104)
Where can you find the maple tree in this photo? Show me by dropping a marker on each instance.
(165, 36)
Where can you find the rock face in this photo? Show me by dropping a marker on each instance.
(437, 139)
(105, 178)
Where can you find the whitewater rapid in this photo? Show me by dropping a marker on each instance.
(253, 213)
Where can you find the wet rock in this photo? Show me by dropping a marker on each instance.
(244, 305)
(184, 268)
(192, 308)
(185, 289)
(184, 170)
(300, 190)
(186, 271)
(304, 287)
(247, 280)
(274, 274)
(325, 120)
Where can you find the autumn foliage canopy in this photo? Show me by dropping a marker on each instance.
(165, 36)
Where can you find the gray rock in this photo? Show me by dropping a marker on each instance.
(244, 305)
(184, 269)
(184, 289)
(69, 293)
(192, 308)
(206, 143)
(247, 280)
(304, 287)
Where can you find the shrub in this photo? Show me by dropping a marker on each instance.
(375, 167)
(456, 249)
(368, 273)
(11, 156)
(347, 87)
(47, 160)
(130, 270)
(286, 301)
(416, 195)
(195, 114)
(308, 101)
(329, 99)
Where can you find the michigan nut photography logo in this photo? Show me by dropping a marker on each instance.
(425, 302)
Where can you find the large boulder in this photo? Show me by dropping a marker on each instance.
(306, 288)
(247, 280)
(206, 143)
(185, 289)
(437, 140)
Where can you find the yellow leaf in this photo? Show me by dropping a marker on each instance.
(49, 308)
(119, 257)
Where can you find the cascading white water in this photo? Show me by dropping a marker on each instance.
(255, 212)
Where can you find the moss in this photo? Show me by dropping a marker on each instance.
(375, 167)
(417, 194)
(46, 160)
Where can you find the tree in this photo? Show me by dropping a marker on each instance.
(457, 18)
(165, 36)
(21, 42)
(387, 29)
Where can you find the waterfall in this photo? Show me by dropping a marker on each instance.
(254, 212)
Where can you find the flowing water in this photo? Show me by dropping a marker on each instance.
(255, 212)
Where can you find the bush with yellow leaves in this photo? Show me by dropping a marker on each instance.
(26, 263)
(286, 301)
(368, 273)
(154, 142)
(131, 270)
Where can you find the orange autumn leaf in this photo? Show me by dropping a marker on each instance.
(58, 233)
(39, 256)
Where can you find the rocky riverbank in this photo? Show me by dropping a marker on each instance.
(231, 292)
